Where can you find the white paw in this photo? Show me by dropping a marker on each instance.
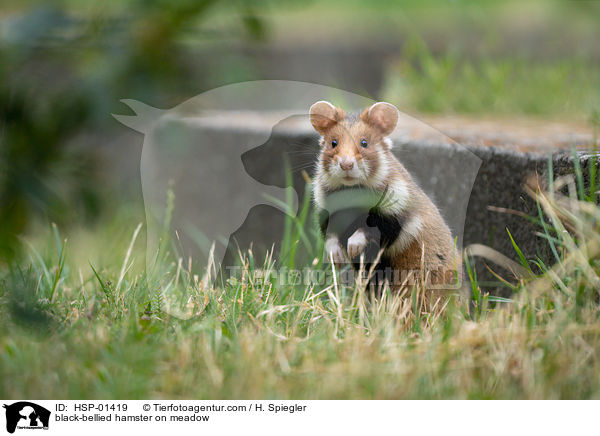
(334, 250)
(356, 243)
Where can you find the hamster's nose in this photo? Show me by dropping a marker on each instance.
(346, 164)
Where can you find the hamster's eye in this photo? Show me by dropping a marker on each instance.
(334, 143)
(364, 143)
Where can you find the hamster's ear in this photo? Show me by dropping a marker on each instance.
(324, 115)
(383, 116)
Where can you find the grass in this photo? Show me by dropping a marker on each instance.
(81, 316)
(77, 324)
(453, 82)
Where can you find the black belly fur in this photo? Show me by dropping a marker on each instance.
(381, 229)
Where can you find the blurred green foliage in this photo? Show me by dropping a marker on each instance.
(39, 173)
(457, 83)
(62, 73)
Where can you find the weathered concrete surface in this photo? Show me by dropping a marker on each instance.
(509, 153)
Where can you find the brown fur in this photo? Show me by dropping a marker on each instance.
(425, 244)
(433, 249)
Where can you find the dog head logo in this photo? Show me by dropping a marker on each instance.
(215, 171)
(26, 415)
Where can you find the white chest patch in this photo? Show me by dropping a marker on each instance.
(379, 178)
(397, 199)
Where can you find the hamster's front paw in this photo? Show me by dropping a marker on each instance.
(356, 243)
(334, 250)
